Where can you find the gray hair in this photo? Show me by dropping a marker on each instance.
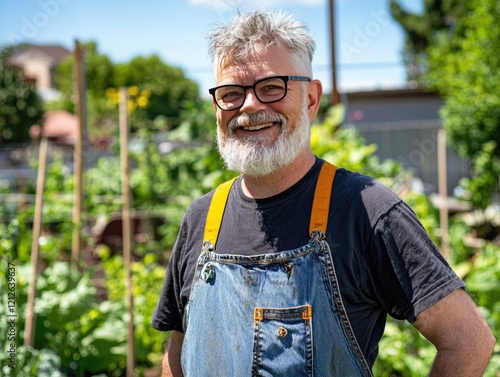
(248, 31)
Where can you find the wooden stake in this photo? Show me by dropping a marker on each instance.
(443, 193)
(335, 97)
(79, 73)
(29, 330)
(127, 228)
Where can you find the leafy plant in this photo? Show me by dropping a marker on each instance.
(346, 148)
(464, 68)
(147, 274)
(80, 334)
(20, 106)
(32, 362)
(403, 351)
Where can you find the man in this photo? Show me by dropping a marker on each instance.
(291, 269)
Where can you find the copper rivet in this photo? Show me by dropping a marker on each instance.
(282, 332)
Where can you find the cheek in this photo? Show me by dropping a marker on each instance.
(293, 114)
(223, 118)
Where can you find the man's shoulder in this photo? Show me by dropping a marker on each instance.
(357, 192)
(199, 206)
(356, 183)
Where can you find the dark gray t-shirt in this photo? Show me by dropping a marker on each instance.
(384, 259)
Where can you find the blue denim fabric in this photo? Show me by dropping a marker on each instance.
(245, 317)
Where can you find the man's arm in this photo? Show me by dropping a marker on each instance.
(171, 365)
(460, 334)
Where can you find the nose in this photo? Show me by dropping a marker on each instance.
(251, 103)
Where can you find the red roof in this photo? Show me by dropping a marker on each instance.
(60, 126)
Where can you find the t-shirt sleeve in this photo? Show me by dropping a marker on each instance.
(417, 276)
(168, 312)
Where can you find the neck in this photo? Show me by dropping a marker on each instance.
(279, 181)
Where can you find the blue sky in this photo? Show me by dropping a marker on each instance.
(368, 41)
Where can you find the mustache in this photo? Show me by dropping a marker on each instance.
(245, 119)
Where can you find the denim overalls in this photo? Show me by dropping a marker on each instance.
(270, 315)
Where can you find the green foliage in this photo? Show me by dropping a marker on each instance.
(20, 106)
(167, 89)
(465, 69)
(162, 184)
(345, 148)
(80, 333)
(146, 289)
(462, 253)
(403, 351)
(485, 175)
(76, 335)
(99, 73)
(32, 362)
(55, 241)
(483, 284)
(420, 29)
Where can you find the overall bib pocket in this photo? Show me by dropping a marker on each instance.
(283, 344)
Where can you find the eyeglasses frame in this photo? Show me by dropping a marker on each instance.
(254, 86)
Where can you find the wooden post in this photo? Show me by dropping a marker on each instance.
(29, 329)
(127, 228)
(443, 193)
(79, 80)
(335, 97)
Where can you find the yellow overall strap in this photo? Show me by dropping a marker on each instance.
(321, 203)
(216, 211)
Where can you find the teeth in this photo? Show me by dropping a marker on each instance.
(257, 127)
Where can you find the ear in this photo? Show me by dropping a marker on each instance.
(314, 93)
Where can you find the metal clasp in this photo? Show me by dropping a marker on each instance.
(207, 272)
(318, 235)
(307, 313)
(207, 246)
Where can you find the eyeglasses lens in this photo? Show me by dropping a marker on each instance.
(269, 90)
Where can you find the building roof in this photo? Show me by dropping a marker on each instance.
(401, 93)
(398, 106)
(53, 53)
(58, 125)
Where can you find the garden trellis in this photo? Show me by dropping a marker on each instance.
(77, 244)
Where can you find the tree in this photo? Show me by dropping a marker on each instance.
(167, 86)
(465, 69)
(99, 73)
(157, 88)
(20, 106)
(419, 29)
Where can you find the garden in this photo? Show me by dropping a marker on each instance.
(81, 316)
(81, 313)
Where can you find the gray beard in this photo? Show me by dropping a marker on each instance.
(251, 156)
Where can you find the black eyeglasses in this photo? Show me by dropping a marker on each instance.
(267, 90)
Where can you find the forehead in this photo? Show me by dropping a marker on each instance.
(263, 62)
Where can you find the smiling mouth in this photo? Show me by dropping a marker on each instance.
(258, 127)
